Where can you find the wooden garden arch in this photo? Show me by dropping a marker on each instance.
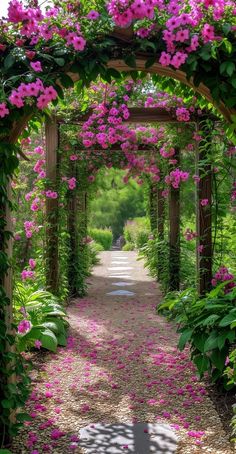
(126, 36)
(123, 39)
(203, 215)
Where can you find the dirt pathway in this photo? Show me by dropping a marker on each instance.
(121, 365)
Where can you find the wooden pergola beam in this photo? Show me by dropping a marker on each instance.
(137, 115)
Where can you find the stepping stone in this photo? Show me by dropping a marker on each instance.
(118, 263)
(120, 268)
(123, 276)
(140, 438)
(122, 283)
(121, 292)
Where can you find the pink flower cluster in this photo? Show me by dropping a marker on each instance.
(223, 275)
(30, 228)
(71, 183)
(175, 178)
(44, 95)
(167, 152)
(51, 194)
(182, 114)
(189, 234)
(3, 110)
(124, 12)
(27, 274)
(39, 166)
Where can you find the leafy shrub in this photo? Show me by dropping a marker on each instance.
(137, 231)
(46, 317)
(94, 249)
(208, 325)
(128, 247)
(103, 237)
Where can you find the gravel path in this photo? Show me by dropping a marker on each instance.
(121, 365)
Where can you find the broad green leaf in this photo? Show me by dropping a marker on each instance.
(49, 340)
(228, 319)
(61, 339)
(210, 320)
(9, 61)
(199, 341)
(211, 342)
(59, 61)
(218, 358)
(202, 363)
(184, 338)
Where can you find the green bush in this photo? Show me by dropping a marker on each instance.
(94, 249)
(137, 231)
(208, 325)
(128, 247)
(103, 237)
(46, 315)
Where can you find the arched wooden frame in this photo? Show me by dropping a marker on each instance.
(121, 66)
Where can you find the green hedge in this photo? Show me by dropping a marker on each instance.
(103, 237)
(137, 231)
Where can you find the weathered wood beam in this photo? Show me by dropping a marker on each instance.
(52, 253)
(137, 115)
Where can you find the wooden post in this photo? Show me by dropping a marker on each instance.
(160, 232)
(204, 216)
(52, 142)
(174, 235)
(77, 228)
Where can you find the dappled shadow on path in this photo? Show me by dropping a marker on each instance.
(121, 366)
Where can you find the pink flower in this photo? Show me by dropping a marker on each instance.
(73, 157)
(38, 344)
(36, 66)
(15, 99)
(179, 59)
(24, 326)
(56, 434)
(93, 15)
(3, 110)
(204, 202)
(165, 59)
(32, 263)
(27, 275)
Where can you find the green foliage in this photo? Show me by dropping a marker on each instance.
(137, 231)
(94, 249)
(115, 202)
(207, 324)
(103, 237)
(128, 247)
(155, 253)
(47, 317)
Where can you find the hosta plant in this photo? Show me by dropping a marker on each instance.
(208, 325)
(40, 318)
